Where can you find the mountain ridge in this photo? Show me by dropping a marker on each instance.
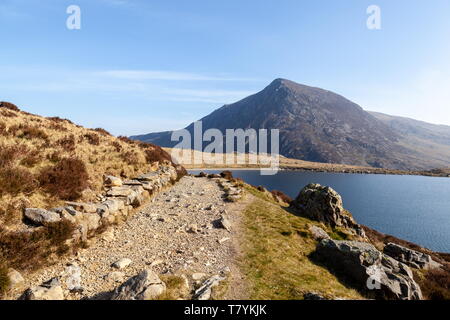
(321, 126)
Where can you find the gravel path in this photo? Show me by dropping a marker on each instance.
(174, 234)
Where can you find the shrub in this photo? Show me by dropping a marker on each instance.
(4, 278)
(2, 129)
(31, 159)
(66, 180)
(92, 139)
(279, 194)
(435, 284)
(8, 105)
(54, 157)
(28, 132)
(227, 175)
(25, 250)
(102, 131)
(59, 120)
(130, 157)
(15, 180)
(7, 114)
(154, 153)
(117, 146)
(8, 154)
(67, 143)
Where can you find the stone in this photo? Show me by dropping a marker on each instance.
(108, 235)
(313, 296)
(123, 191)
(410, 257)
(223, 240)
(83, 207)
(112, 181)
(115, 276)
(50, 290)
(371, 271)
(41, 216)
(122, 263)
(15, 278)
(149, 177)
(324, 204)
(113, 205)
(145, 286)
(318, 233)
(223, 223)
(193, 228)
(73, 278)
(204, 292)
(198, 276)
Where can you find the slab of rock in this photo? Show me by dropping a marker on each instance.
(119, 192)
(145, 286)
(50, 290)
(73, 278)
(122, 263)
(41, 216)
(224, 223)
(83, 207)
(204, 292)
(325, 205)
(373, 272)
(410, 257)
(115, 276)
(318, 233)
(112, 181)
(15, 278)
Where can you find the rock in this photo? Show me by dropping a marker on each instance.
(370, 270)
(112, 181)
(73, 280)
(145, 286)
(223, 240)
(318, 233)
(15, 278)
(198, 276)
(83, 207)
(41, 216)
(193, 228)
(108, 235)
(50, 290)
(120, 192)
(313, 296)
(122, 263)
(224, 223)
(204, 292)
(156, 262)
(325, 205)
(115, 276)
(113, 205)
(410, 257)
(149, 177)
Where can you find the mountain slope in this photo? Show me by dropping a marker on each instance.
(317, 125)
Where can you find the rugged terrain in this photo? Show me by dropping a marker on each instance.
(321, 126)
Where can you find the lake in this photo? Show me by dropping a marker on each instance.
(412, 208)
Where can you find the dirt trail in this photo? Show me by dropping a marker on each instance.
(174, 234)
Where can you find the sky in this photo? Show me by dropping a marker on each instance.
(140, 66)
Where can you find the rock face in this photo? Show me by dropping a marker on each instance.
(144, 286)
(410, 257)
(374, 273)
(318, 233)
(325, 205)
(50, 290)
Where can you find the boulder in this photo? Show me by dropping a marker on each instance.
(113, 205)
(318, 233)
(410, 257)
(371, 271)
(325, 205)
(41, 216)
(149, 177)
(111, 181)
(224, 223)
(50, 290)
(73, 278)
(145, 286)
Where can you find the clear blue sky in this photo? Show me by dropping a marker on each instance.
(138, 66)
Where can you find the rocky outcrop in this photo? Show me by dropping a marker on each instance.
(318, 233)
(325, 205)
(144, 286)
(50, 290)
(41, 217)
(373, 272)
(410, 257)
(205, 291)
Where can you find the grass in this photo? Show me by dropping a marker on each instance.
(276, 246)
(176, 288)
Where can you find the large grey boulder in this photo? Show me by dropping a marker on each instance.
(41, 216)
(410, 257)
(144, 286)
(325, 205)
(50, 290)
(373, 272)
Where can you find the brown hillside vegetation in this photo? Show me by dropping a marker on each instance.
(46, 161)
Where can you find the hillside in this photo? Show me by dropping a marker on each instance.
(320, 126)
(46, 161)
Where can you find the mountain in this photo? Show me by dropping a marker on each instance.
(322, 126)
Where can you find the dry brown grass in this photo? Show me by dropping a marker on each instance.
(34, 153)
(276, 263)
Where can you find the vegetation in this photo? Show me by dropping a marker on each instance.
(176, 288)
(276, 247)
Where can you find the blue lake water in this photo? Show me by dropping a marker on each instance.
(413, 208)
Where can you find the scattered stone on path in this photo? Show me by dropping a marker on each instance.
(122, 263)
(145, 286)
(50, 290)
(204, 292)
